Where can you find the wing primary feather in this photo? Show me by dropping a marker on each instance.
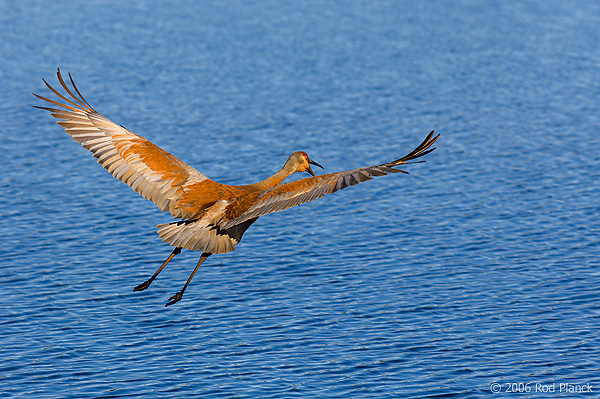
(64, 85)
(419, 151)
(54, 110)
(56, 102)
(60, 95)
(80, 96)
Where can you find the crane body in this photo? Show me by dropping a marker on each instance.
(212, 216)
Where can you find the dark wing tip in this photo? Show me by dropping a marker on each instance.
(74, 103)
(422, 149)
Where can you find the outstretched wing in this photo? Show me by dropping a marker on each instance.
(148, 169)
(298, 192)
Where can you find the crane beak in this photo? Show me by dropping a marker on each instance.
(310, 161)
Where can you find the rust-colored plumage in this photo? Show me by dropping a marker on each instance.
(213, 216)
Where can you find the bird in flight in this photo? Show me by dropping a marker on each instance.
(212, 216)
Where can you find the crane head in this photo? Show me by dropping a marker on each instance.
(300, 162)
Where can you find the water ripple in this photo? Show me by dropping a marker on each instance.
(479, 267)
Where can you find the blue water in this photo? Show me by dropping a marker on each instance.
(479, 267)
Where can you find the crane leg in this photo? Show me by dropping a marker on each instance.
(177, 297)
(146, 284)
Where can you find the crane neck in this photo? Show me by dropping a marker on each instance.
(277, 178)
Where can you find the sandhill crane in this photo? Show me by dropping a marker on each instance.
(213, 216)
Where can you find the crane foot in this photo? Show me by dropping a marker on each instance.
(143, 286)
(174, 299)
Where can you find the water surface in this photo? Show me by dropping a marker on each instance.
(479, 267)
